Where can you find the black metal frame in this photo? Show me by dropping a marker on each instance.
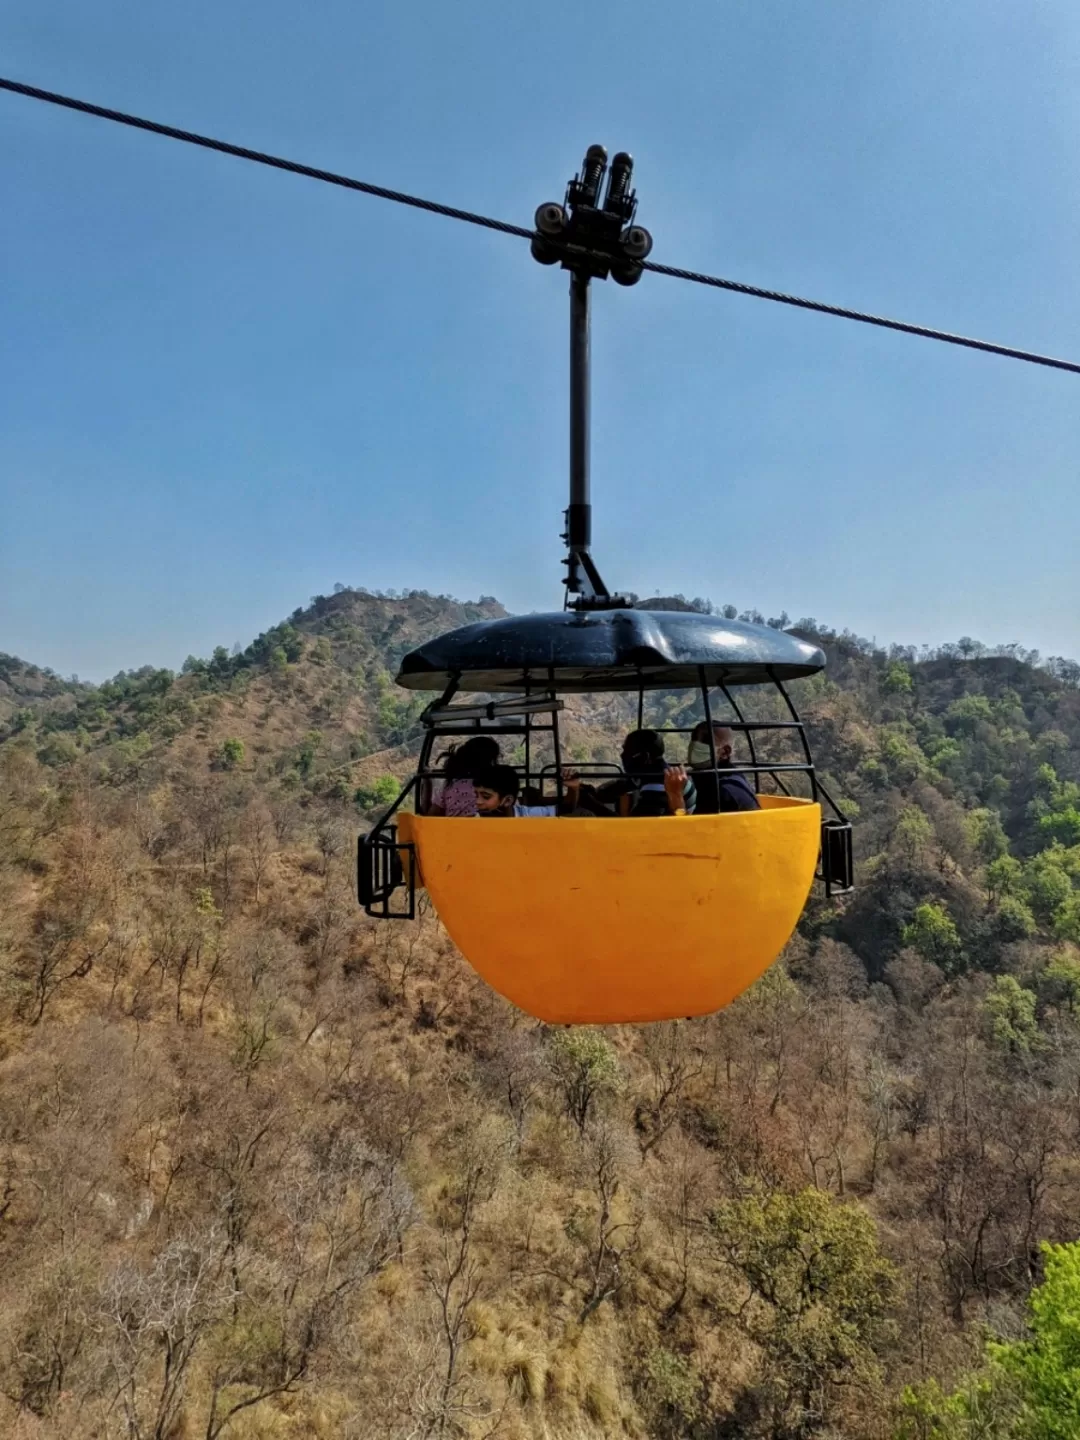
(385, 865)
(380, 869)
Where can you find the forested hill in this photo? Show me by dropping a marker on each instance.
(24, 685)
(306, 697)
(268, 1169)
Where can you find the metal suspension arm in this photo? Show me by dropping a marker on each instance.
(592, 237)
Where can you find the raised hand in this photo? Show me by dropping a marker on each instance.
(675, 785)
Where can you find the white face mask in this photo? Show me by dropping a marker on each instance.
(700, 754)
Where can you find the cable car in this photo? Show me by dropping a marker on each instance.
(590, 920)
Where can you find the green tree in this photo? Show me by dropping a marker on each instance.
(1062, 824)
(933, 933)
(819, 1293)
(1056, 807)
(897, 679)
(1052, 745)
(292, 640)
(1010, 1010)
(128, 758)
(1046, 885)
(58, 750)
(1004, 876)
(971, 716)
(1013, 920)
(983, 1407)
(988, 838)
(912, 834)
(673, 1394)
(205, 904)
(947, 755)
(901, 756)
(1059, 984)
(1028, 1389)
(585, 1067)
(1046, 1367)
(307, 752)
(1067, 920)
(231, 754)
(379, 794)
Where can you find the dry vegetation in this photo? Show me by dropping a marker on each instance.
(268, 1169)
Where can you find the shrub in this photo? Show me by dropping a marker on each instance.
(230, 754)
(585, 1066)
(378, 794)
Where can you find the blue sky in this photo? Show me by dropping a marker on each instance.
(222, 389)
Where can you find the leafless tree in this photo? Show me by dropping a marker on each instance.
(515, 1070)
(673, 1060)
(61, 950)
(284, 816)
(341, 1207)
(454, 1275)
(153, 1320)
(689, 1181)
(879, 1094)
(43, 1341)
(401, 951)
(261, 848)
(612, 1242)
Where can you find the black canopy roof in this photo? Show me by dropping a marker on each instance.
(601, 650)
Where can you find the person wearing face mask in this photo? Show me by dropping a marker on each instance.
(649, 785)
(720, 789)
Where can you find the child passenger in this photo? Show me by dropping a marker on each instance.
(457, 795)
(497, 794)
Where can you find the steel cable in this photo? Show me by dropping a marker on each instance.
(241, 152)
(503, 227)
(822, 308)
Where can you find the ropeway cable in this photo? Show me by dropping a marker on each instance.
(470, 217)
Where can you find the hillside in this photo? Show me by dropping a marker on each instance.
(268, 1169)
(28, 689)
(312, 695)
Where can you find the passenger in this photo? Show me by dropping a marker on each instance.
(497, 794)
(648, 785)
(721, 789)
(461, 764)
